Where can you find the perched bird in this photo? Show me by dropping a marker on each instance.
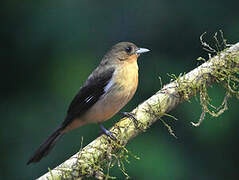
(108, 89)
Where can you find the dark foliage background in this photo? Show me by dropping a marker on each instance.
(47, 50)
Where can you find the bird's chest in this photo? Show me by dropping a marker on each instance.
(127, 81)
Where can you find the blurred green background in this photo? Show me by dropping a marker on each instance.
(48, 49)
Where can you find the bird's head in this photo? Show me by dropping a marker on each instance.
(125, 51)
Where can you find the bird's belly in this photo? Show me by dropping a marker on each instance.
(107, 106)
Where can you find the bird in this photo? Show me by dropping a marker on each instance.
(106, 91)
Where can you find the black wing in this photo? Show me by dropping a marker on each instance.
(88, 95)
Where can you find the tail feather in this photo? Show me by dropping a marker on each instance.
(46, 147)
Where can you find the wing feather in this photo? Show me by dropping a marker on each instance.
(88, 94)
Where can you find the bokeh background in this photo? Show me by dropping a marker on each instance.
(48, 49)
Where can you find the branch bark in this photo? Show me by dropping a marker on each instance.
(88, 161)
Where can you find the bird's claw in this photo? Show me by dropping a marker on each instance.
(129, 115)
(107, 132)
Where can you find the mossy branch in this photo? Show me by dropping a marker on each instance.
(90, 160)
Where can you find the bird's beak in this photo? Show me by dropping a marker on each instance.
(142, 50)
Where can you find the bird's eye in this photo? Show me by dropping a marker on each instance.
(128, 49)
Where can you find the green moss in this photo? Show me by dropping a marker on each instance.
(99, 168)
(227, 74)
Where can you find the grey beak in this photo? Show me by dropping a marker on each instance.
(142, 50)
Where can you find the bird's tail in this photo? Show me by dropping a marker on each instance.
(46, 147)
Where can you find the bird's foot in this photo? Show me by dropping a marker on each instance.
(131, 116)
(107, 132)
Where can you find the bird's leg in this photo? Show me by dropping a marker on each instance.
(107, 132)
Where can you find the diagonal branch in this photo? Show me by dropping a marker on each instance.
(89, 161)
